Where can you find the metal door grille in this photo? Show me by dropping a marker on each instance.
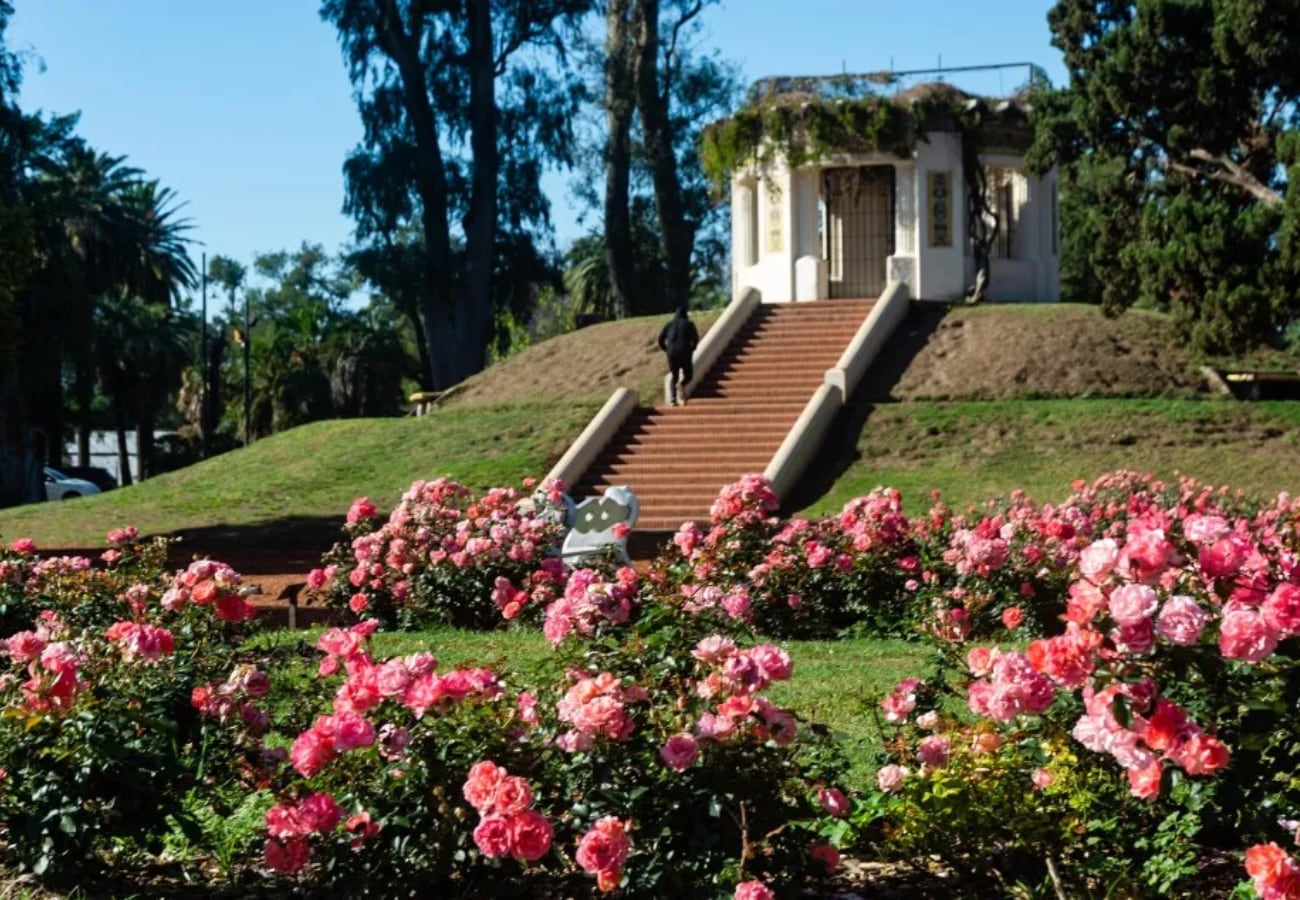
(860, 229)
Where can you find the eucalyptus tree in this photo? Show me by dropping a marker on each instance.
(659, 91)
(457, 100)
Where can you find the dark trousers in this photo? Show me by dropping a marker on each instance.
(682, 370)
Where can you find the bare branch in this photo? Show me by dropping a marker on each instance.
(671, 58)
(1220, 168)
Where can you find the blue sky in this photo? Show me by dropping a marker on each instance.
(243, 107)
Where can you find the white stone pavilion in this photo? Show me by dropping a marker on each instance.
(854, 221)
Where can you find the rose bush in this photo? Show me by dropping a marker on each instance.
(99, 737)
(1165, 693)
(645, 758)
(445, 555)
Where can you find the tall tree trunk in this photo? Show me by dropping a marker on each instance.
(421, 346)
(123, 453)
(620, 90)
(402, 45)
(19, 467)
(678, 234)
(84, 385)
(476, 309)
(143, 444)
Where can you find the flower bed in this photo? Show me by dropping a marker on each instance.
(1112, 697)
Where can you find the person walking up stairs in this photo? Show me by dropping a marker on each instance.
(679, 339)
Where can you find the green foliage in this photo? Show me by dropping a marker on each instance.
(763, 132)
(1177, 137)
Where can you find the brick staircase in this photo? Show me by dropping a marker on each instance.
(677, 458)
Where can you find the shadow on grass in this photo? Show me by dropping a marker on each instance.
(840, 449)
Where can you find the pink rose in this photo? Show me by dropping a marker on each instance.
(481, 785)
(1275, 874)
(1132, 603)
(1144, 783)
(1281, 609)
(512, 796)
(361, 508)
(1097, 561)
(679, 751)
(1223, 557)
(492, 836)
(1012, 617)
(933, 751)
(1042, 778)
(350, 731)
(980, 660)
(1245, 635)
(287, 856)
(753, 890)
(24, 647)
(320, 813)
(1181, 621)
(891, 778)
(605, 846)
(825, 855)
(774, 662)
(1202, 754)
(530, 835)
(311, 752)
(713, 650)
(833, 801)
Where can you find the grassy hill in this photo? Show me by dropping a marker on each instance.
(972, 401)
(303, 480)
(973, 451)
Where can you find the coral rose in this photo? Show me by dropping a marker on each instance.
(530, 835)
(492, 836)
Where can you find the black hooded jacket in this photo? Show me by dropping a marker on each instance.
(679, 337)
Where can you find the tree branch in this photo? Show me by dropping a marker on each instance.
(670, 52)
(1220, 168)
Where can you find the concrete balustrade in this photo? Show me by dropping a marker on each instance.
(804, 440)
(862, 351)
(595, 437)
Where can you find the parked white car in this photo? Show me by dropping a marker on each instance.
(62, 487)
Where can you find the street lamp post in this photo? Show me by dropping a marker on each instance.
(248, 339)
(204, 418)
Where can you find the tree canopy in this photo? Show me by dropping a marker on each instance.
(1180, 134)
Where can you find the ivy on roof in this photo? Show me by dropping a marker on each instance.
(803, 120)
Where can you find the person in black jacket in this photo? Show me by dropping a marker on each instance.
(678, 340)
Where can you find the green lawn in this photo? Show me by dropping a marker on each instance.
(315, 471)
(974, 451)
(835, 683)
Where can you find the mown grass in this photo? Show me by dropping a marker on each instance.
(972, 452)
(316, 471)
(836, 683)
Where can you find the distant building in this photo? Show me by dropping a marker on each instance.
(103, 451)
(885, 197)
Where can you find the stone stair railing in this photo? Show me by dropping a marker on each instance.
(800, 446)
(623, 402)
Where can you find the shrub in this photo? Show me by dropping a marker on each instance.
(1175, 672)
(98, 734)
(646, 758)
(446, 556)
